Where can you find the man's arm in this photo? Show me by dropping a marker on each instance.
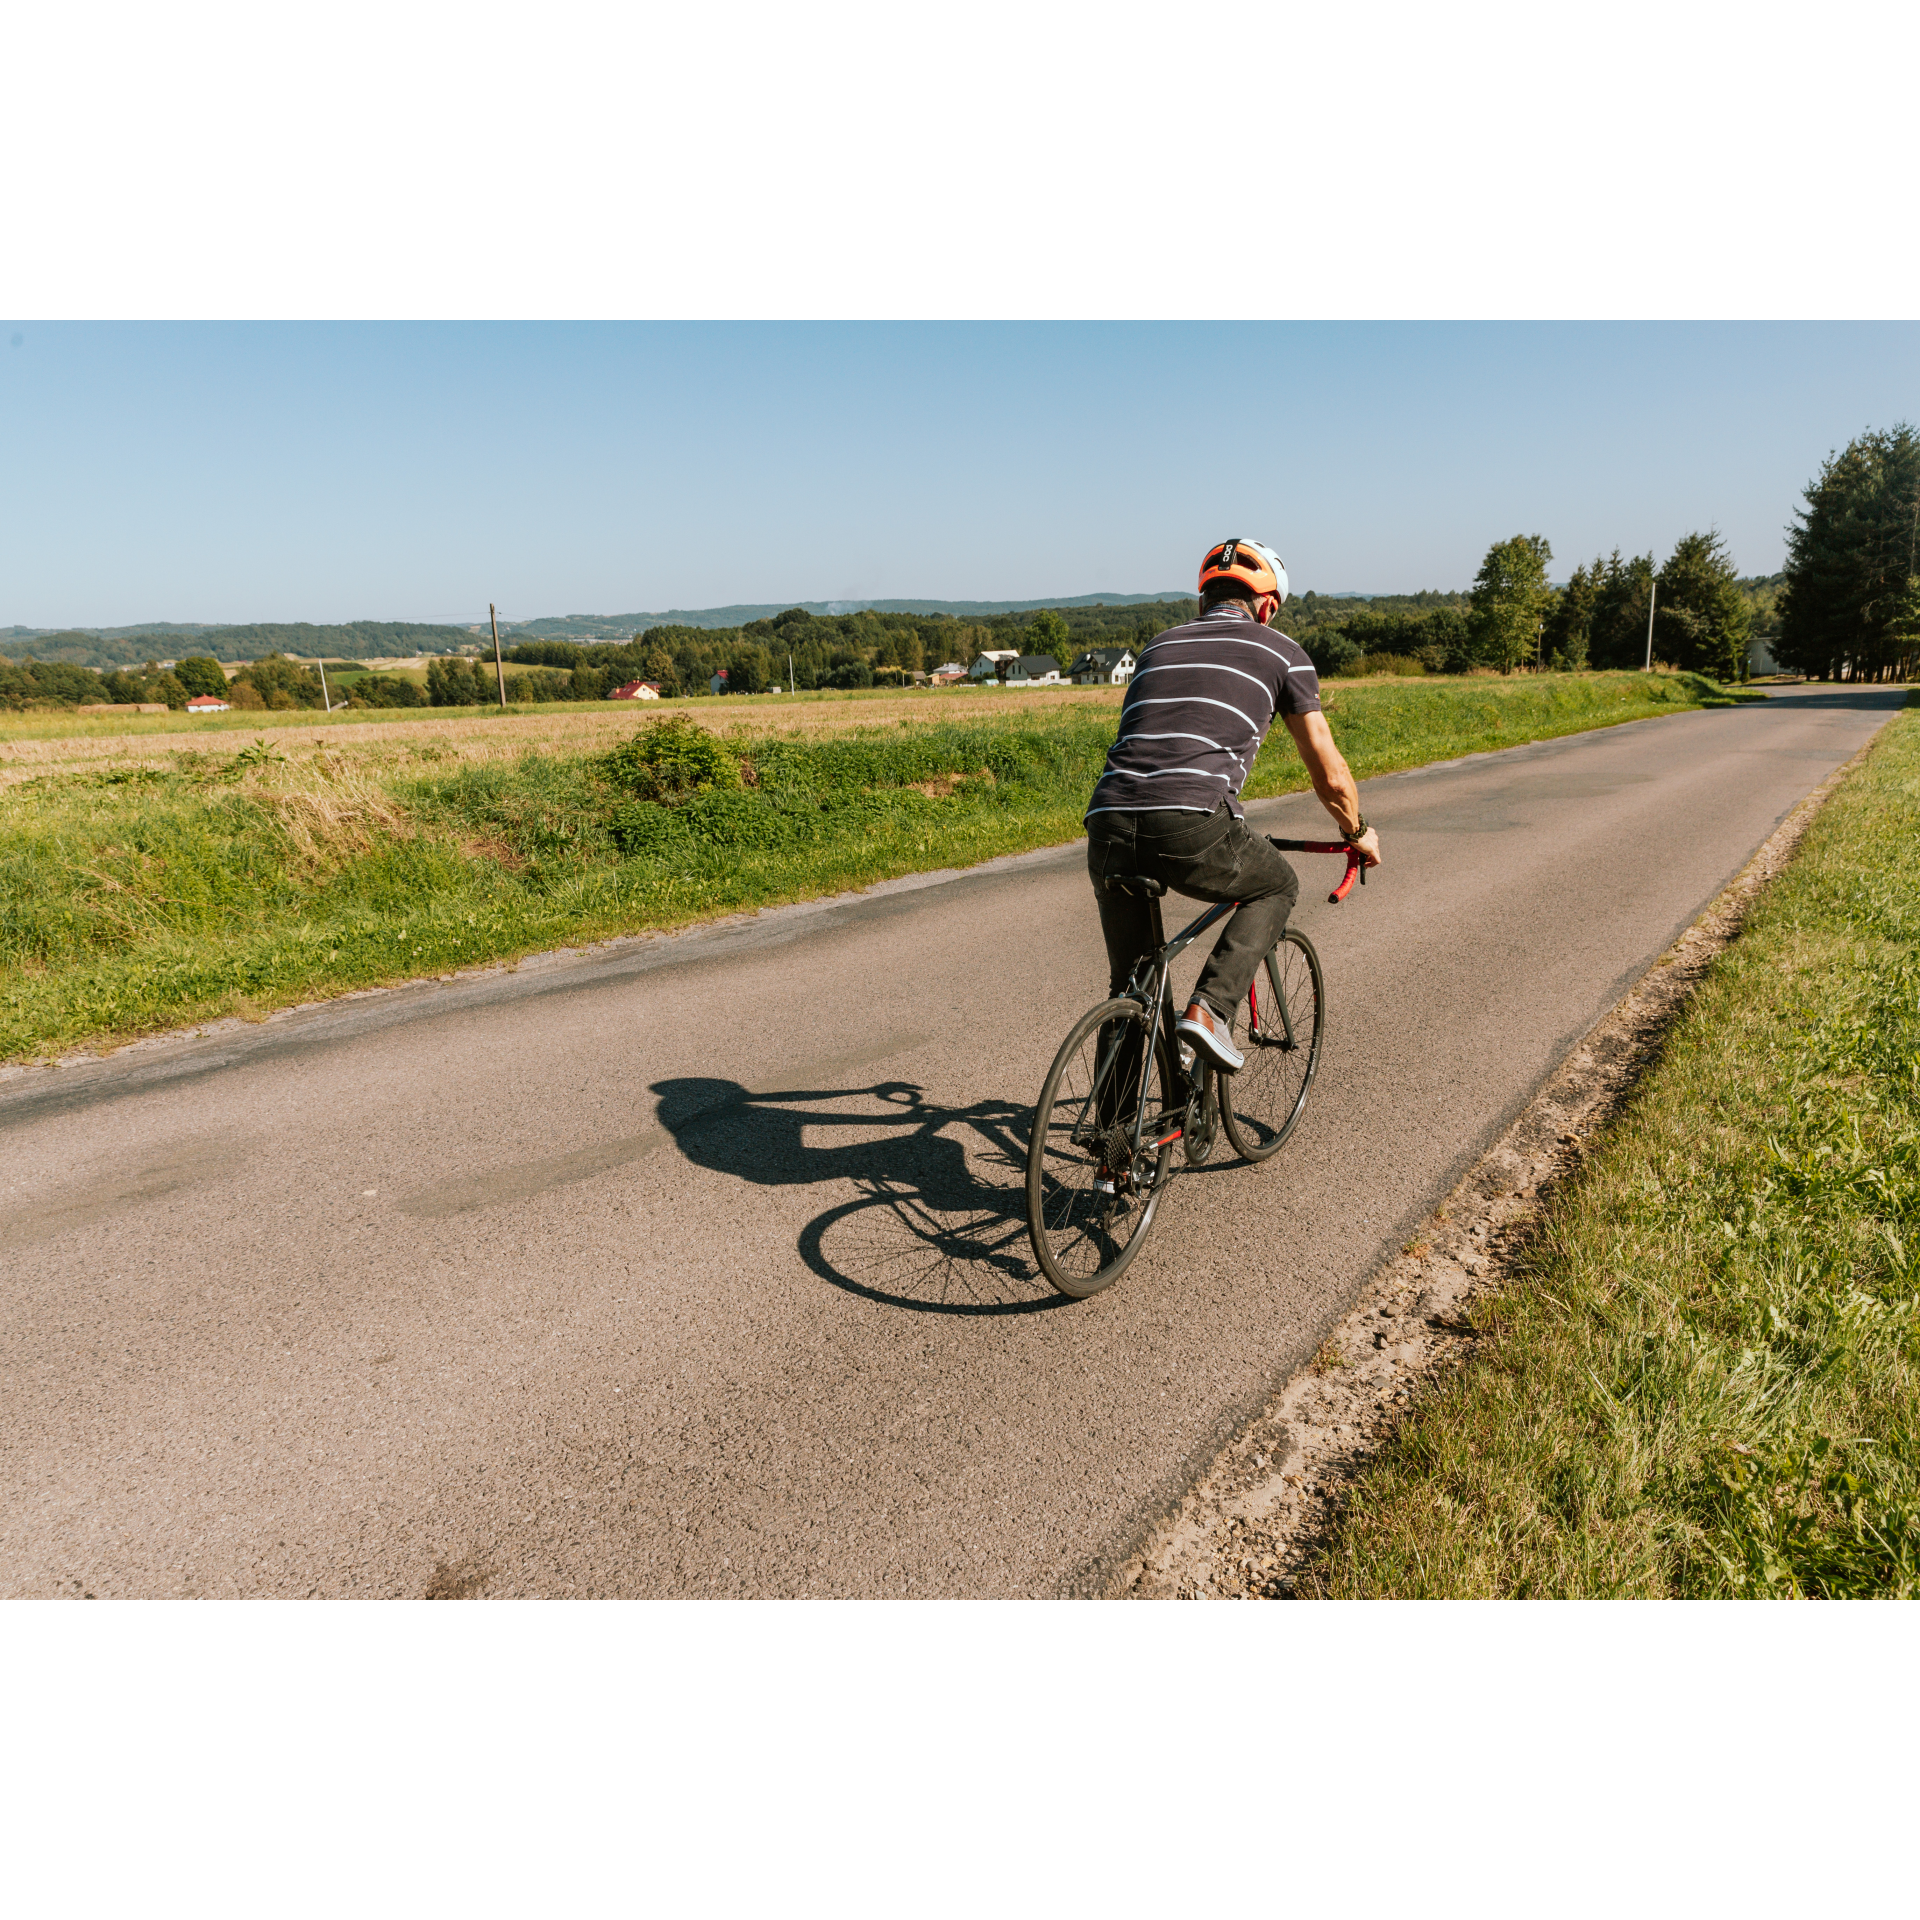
(1332, 781)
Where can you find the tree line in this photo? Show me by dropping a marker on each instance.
(271, 683)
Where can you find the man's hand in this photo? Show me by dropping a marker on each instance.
(1332, 779)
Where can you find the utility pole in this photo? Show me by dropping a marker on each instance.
(791, 688)
(494, 621)
(1653, 594)
(326, 699)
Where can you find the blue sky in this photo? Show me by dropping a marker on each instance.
(415, 471)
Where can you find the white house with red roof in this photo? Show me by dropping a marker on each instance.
(636, 690)
(206, 703)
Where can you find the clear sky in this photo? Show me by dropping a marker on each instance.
(415, 471)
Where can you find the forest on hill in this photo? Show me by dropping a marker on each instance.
(106, 648)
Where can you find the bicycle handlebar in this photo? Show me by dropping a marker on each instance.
(1356, 862)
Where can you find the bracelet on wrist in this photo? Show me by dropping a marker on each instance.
(1358, 830)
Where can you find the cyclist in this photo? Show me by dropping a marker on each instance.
(1168, 803)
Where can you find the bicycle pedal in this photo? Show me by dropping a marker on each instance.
(1186, 1058)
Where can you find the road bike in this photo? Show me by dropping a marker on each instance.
(1124, 1089)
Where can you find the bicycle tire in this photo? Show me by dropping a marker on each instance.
(1084, 1241)
(1262, 1103)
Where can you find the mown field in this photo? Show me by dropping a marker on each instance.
(152, 876)
(1705, 1378)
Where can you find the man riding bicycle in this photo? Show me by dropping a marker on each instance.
(1168, 803)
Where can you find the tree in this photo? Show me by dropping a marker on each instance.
(1047, 632)
(1511, 599)
(1701, 619)
(279, 682)
(1619, 630)
(1569, 635)
(1850, 605)
(201, 675)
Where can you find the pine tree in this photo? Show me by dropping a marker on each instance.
(1620, 612)
(1701, 620)
(1850, 608)
(1569, 637)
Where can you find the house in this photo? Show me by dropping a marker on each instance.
(206, 703)
(1102, 667)
(718, 684)
(945, 676)
(1032, 670)
(988, 666)
(636, 690)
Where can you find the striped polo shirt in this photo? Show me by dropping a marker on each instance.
(1196, 711)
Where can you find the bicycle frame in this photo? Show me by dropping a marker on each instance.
(1150, 984)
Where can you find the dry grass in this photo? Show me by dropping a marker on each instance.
(329, 808)
(33, 744)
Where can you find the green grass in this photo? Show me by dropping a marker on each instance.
(1704, 1380)
(134, 899)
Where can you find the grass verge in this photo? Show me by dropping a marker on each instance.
(149, 891)
(1703, 1378)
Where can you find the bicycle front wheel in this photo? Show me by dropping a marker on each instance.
(1286, 1014)
(1090, 1197)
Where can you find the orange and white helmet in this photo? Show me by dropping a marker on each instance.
(1257, 568)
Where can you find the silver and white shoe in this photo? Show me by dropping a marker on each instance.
(1211, 1036)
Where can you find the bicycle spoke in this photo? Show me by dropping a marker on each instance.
(1285, 1015)
(1090, 1192)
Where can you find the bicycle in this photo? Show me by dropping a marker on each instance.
(1100, 1154)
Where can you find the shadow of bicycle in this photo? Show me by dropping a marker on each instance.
(937, 1223)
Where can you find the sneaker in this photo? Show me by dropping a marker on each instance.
(1211, 1035)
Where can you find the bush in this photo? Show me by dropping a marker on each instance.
(384, 690)
(1330, 650)
(671, 759)
(1399, 666)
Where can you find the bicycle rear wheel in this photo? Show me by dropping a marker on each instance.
(1287, 1012)
(1085, 1238)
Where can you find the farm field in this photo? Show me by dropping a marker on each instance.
(153, 875)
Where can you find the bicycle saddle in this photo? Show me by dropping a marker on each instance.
(1138, 883)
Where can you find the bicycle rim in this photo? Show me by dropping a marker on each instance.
(1286, 1016)
(1084, 1239)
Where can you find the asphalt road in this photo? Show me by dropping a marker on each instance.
(695, 1266)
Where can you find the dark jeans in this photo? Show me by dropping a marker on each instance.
(1207, 857)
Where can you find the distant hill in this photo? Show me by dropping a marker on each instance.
(621, 626)
(104, 647)
(165, 640)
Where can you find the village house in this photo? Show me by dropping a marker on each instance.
(1032, 670)
(988, 666)
(206, 703)
(945, 676)
(1102, 667)
(636, 690)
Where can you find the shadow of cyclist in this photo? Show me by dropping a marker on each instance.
(939, 1221)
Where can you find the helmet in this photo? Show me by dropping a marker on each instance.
(1247, 561)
